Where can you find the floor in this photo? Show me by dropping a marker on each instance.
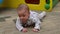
(50, 24)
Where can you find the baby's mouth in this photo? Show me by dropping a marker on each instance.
(24, 20)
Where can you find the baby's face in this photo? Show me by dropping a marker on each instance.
(23, 15)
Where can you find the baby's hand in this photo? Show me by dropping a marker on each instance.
(24, 30)
(35, 30)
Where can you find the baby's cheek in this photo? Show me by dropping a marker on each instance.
(25, 19)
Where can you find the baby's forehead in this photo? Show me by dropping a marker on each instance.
(22, 12)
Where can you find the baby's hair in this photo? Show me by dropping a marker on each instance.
(21, 6)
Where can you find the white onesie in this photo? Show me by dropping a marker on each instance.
(34, 18)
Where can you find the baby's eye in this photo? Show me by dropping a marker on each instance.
(19, 16)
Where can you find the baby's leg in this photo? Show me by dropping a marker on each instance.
(41, 15)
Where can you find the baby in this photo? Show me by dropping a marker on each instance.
(27, 18)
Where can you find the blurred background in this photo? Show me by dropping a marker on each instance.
(41, 5)
(50, 24)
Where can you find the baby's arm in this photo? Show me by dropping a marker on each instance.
(19, 25)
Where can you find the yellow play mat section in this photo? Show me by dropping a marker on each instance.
(40, 5)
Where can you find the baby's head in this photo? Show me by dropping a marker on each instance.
(23, 12)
